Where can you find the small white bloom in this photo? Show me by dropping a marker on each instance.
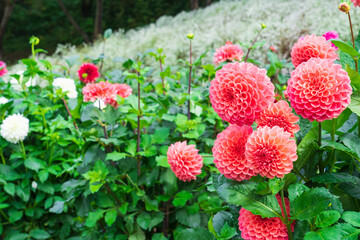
(15, 83)
(67, 85)
(15, 128)
(3, 100)
(99, 103)
(34, 184)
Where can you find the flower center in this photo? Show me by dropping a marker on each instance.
(266, 156)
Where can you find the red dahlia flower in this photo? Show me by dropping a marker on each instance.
(229, 52)
(254, 227)
(229, 152)
(88, 73)
(279, 114)
(312, 46)
(331, 35)
(319, 90)
(3, 69)
(184, 161)
(240, 91)
(270, 152)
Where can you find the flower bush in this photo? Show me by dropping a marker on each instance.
(240, 150)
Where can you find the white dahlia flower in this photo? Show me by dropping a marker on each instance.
(67, 85)
(3, 100)
(14, 128)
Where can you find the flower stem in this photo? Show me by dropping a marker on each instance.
(162, 78)
(189, 87)
(2, 157)
(23, 149)
(252, 44)
(68, 111)
(138, 131)
(287, 222)
(51, 154)
(319, 142)
(333, 140)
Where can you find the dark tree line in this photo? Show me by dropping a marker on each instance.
(76, 21)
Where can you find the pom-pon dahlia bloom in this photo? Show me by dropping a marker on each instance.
(88, 73)
(106, 92)
(356, 3)
(312, 46)
(229, 52)
(240, 91)
(279, 114)
(331, 35)
(319, 90)
(270, 152)
(14, 128)
(229, 152)
(3, 69)
(184, 161)
(254, 227)
(67, 85)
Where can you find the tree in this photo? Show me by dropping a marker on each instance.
(98, 18)
(194, 4)
(73, 22)
(8, 7)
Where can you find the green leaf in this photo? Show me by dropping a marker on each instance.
(39, 234)
(323, 234)
(187, 219)
(327, 218)
(4, 205)
(338, 146)
(306, 148)
(58, 207)
(10, 188)
(352, 142)
(149, 220)
(138, 234)
(115, 156)
(335, 177)
(198, 233)
(242, 193)
(276, 184)
(14, 215)
(161, 161)
(46, 187)
(43, 175)
(340, 120)
(181, 198)
(8, 173)
(227, 232)
(131, 147)
(301, 227)
(34, 163)
(219, 220)
(110, 217)
(310, 203)
(355, 103)
(160, 135)
(158, 236)
(354, 76)
(352, 217)
(347, 232)
(345, 47)
(181, 122)
(93, 217)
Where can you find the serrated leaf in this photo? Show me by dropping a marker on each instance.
(160, 135)
(335, 177)
(306, 148)
(115, 156)
(242, 194)
(310, 203)
(275, 185)
(162, 161)
(352, 142)
(110, 217)
(327, 218)
(39, 234)
(227, 232)
(198, 233)
(10, 188)
(346, 231)
(296, 190)
(34, 163)
(181, 198)
(345, 47)
(354, 105)
(93, 217)
(352, 217)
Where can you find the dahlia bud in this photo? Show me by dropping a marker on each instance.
(344, 7)
(190, 36)
(272, 48)
(34, 40)
(263, 25)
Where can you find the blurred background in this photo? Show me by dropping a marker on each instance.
(76, 21)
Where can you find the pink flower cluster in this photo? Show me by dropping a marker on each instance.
(105, 91)
(318, 88)
(229, 52)
(3, 69)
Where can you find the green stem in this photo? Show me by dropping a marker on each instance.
(6, 217)
(23, 149)
(33, 50)
(321, 170)
(333, 139)
(287, 222)
(51, 154)
(2, 157)
(189, 87)
(252, 44)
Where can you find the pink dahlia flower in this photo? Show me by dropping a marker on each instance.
(88, 73)
(254, 227)
(229, 52)
(184, 161)
(319, 90)
(270, 152)
(331, 35)
(279, 114)
(312, 46)
(240, 91)
(356, 3)
(105, 91)
(3, 69)
(229, 152)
